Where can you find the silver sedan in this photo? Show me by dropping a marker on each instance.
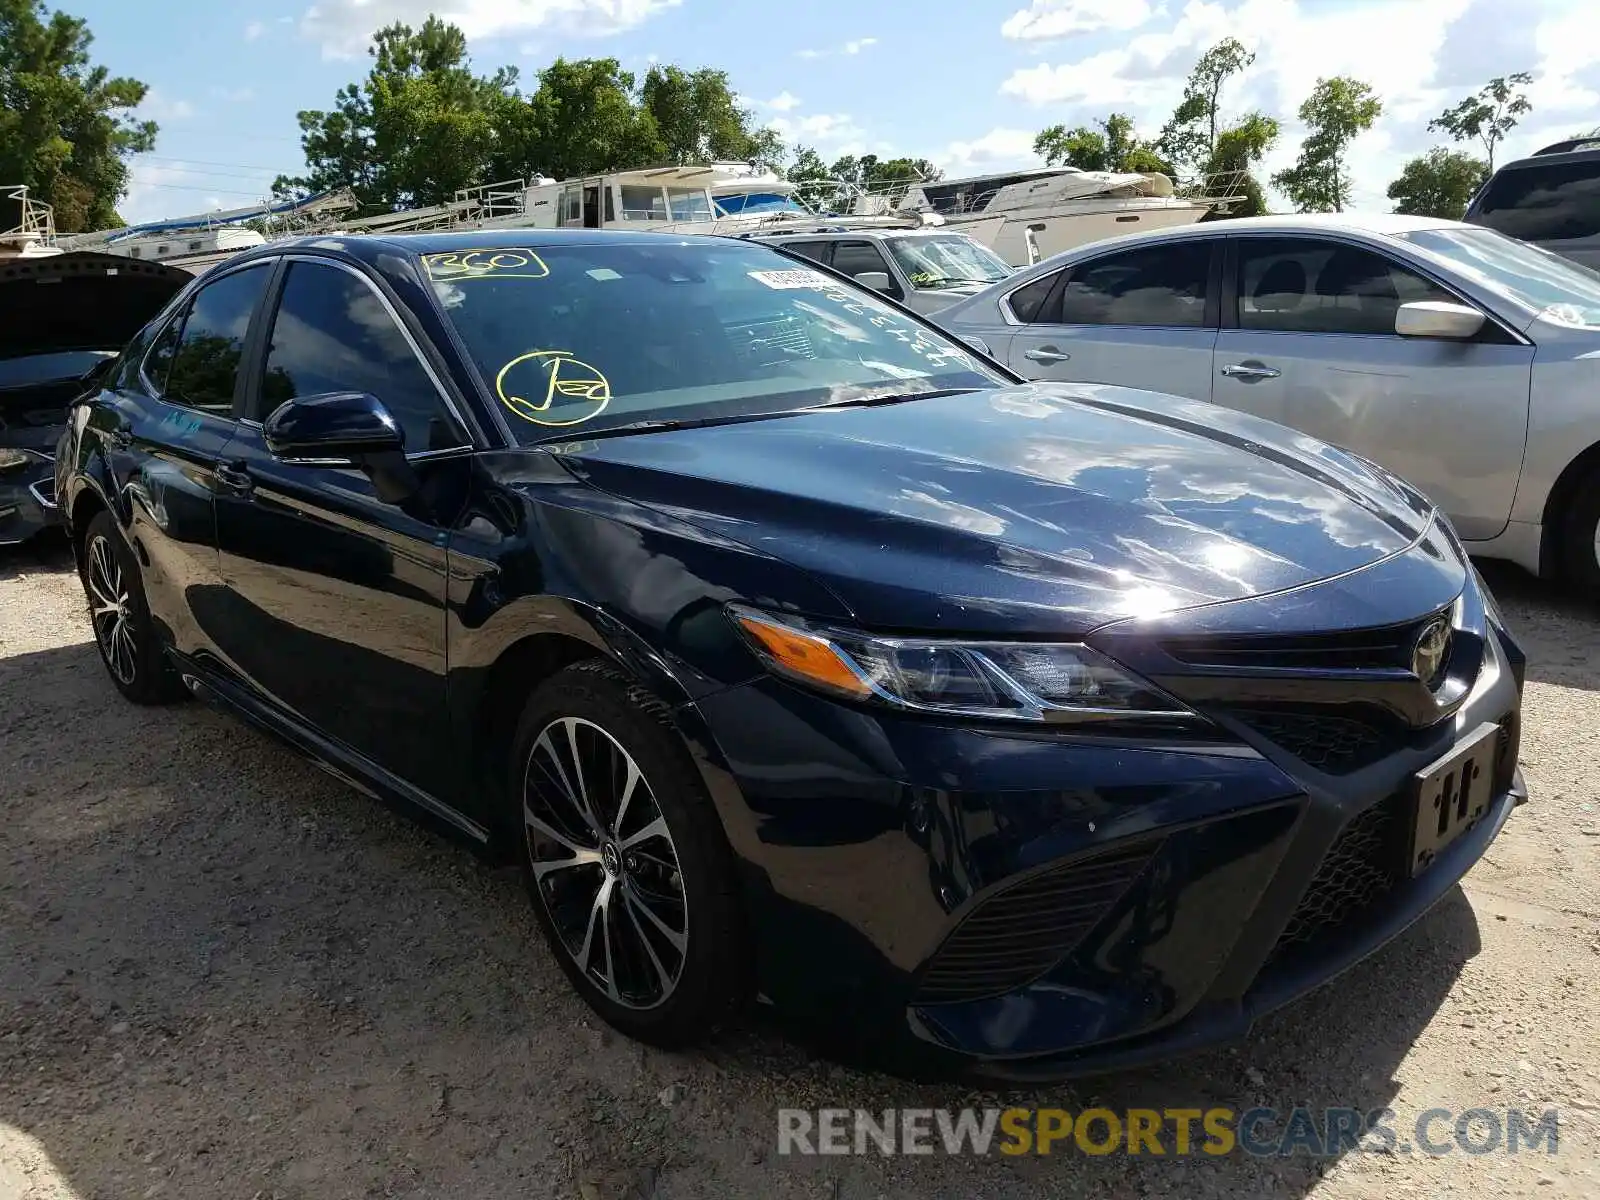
(1462, 360)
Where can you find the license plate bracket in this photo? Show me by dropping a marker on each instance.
(1451, 795)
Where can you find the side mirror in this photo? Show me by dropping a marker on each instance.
(1437, 319)
(343, 425)
(878, 281)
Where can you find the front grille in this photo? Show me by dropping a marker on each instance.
(1359, 870)
(1385, 647)
(1326, 741)
(1018, 934)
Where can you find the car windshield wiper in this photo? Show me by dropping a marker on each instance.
(893, 398)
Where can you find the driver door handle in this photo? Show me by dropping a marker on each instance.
(1046, 355)
(1250, 371)
(235, 476)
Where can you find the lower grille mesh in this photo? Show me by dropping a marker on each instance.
(1021, 932)
(1360, 869)
(1323, 741)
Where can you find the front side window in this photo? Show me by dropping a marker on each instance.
(574, 339)
(1164, 285)
(1028, 302)
(1304, 285)
(332, 333)
(946, 260)
(1549, 203)
(205, 361)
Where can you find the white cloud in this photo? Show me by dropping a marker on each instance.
(783, 102)
(158, 106)
(1000, 149)
(828, 133)
(1063, 18)
(345, 27)
(1419, 56)
(254, 30)
(855, 46)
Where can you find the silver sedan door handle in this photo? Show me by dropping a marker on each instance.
(1045, 355)
(1250, 371)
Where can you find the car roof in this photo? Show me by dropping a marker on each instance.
(1553, 157)
(368, 246)
(879, 234)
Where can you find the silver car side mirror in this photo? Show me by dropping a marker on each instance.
(1437, 319)
(878, 281)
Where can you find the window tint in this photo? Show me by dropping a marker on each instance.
(1027, 302)
(816, 251)
(205, 365)
(1164, 285)
(1309, 286)
(159, 359)
(333, 334)
(1544, 204)
(856, 258)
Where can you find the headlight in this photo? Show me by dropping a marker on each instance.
(11, 459)
(1011, 681)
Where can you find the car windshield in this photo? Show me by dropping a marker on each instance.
(945, 261)
(1559, 289)
(575, 339)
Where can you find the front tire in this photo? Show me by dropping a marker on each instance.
(123, 631)
(1580, 549)
(625, 859)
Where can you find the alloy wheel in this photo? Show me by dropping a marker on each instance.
(604, 863)
(110, 610)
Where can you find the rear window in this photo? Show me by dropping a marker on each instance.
(577, 338)
(1549, 203)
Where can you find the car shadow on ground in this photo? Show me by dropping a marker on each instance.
(1559, 629)
(228, 974)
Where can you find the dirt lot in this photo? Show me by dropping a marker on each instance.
(223, 974)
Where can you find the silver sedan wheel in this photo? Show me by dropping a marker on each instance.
(604, 862)
(110, 611)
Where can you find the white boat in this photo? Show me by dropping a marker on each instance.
(1025, 216)
(714, 198)
(27, 227)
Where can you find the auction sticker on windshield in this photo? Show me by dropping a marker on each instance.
(788, 280)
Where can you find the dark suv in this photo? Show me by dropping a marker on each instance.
(1551, 199)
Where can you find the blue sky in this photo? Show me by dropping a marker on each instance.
(966, 84)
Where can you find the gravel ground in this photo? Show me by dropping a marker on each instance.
(224, 974)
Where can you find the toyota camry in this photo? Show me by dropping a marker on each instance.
(798, 653)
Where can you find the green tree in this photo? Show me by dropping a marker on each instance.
(699, 120)
(1438, 184)
(1335, 114)
(1113, 146)
(1189, 138)
(1238, 152)
(582, 120)
(66, 125)
(1488, 115)
(418, 128)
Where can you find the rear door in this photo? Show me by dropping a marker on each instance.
(336, 596)
(174, 415)
(1309, 341)
(1144, 318)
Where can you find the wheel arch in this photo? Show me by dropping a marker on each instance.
(1556, 505)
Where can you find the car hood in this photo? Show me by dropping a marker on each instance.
(1049, 508)
(80, 301)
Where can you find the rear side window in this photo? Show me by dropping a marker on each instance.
(205, 362)
(1558, 202)
(815, 251)
(332, 333)
(1163, 285)
(1027, 302)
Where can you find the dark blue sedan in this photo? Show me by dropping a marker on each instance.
(796, 651)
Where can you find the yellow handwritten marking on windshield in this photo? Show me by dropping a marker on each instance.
(504, 262)
(573, 391)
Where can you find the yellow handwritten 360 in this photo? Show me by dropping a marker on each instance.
(569, 390)
(505, 262)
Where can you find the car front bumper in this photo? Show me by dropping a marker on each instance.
(27, 502)
(1145, 898)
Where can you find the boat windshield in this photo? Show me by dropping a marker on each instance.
(946, 260)
(736, 204)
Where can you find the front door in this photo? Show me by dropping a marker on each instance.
(1140, 318)
(1314, 347)
(336, 596)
